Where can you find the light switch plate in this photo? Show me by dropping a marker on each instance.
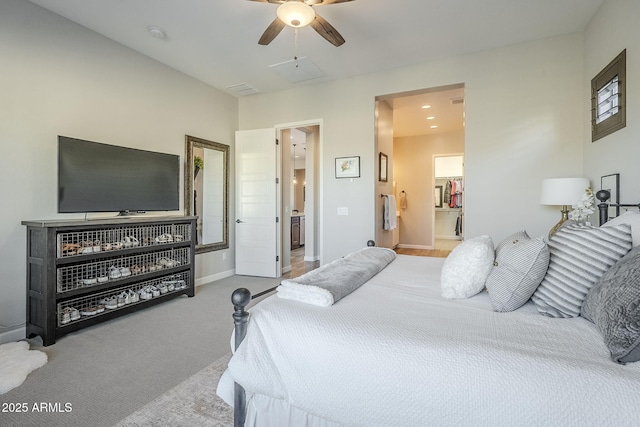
(343, 211)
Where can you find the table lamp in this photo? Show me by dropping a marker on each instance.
(562, 192)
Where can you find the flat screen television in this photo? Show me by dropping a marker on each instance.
(95, 177)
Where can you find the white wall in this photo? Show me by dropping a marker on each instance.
(614, 28)
(58, 78)
(524, 123)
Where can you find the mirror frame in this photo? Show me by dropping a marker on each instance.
(190, 143)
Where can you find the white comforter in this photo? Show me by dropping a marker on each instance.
(394, 353)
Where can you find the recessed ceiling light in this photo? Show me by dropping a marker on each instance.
(426, 106)
(431, 117)
(433, 126)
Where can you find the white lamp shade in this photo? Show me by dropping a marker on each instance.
(296, 13)
(563, 191)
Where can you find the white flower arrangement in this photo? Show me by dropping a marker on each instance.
(584, 207)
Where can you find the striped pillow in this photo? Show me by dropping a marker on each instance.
(520, 266)
(579, 256)
(512, 240)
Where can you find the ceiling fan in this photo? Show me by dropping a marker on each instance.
(300, 13)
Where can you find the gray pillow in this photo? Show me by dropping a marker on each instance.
(520, 266)
(580, 255)
(613, 304)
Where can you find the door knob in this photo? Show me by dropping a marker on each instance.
(238, 221)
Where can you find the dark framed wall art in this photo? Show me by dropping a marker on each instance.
(383, 167)
(438, 196)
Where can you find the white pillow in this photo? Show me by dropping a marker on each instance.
(631, 218)
(467, 267)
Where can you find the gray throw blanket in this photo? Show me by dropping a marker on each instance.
(326, 285)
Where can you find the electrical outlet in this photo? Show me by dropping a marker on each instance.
(224, 255)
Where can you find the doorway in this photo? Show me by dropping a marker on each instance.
(424, 124)
(449, 196)
(300, 197)
(264, 199)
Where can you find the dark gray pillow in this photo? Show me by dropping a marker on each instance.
(613, 304)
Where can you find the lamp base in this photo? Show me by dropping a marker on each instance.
(565, 217)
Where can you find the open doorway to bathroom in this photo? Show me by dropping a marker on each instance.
(412, 129)
(300, 153)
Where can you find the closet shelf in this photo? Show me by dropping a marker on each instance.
(448, 209)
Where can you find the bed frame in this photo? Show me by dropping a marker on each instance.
(603, 206)
(241, 298)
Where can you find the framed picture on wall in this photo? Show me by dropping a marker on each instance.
(383, 165)
(348, 167)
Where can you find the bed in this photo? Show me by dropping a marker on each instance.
(394, 352)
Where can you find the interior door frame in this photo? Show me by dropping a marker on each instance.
(285, 246)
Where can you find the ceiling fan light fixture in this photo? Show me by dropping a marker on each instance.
(296, 14)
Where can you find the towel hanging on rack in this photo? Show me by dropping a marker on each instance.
(389, 213)
(403, 200)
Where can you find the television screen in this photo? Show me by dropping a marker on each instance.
(94, 177)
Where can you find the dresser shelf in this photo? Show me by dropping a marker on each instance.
(80, 273)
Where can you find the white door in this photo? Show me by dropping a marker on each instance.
(256, 203)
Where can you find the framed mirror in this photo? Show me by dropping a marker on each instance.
(206, 192)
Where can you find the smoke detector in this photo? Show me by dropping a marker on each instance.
(157, 32)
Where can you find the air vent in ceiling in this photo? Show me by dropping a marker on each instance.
(243, 89)
(298, 70)
(456, 101)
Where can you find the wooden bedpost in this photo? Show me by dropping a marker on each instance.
(240, 299)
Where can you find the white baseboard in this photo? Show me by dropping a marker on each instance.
(13, 335)
(286, 269)
(403, 246)
(449, 237)
(311, 258)
(208, 279)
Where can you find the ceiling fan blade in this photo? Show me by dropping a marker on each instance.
(323, 2)
(327, 31)
(271, 32)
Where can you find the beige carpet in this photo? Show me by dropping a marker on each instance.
(194, 402)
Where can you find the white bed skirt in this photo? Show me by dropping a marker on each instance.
(264, 411)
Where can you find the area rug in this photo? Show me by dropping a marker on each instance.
(16, 362)
(193, 402)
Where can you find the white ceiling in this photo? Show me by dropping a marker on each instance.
(215, 41)
(445, 111)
